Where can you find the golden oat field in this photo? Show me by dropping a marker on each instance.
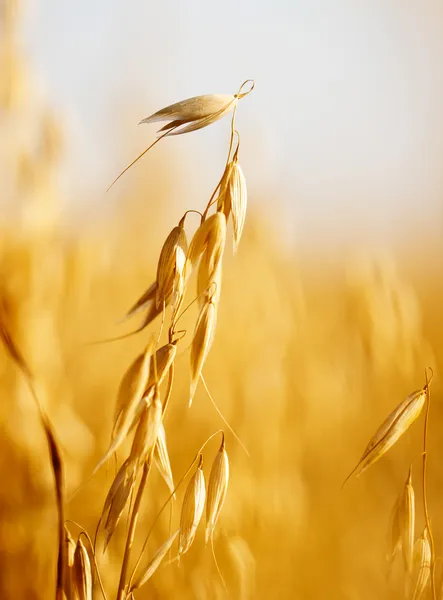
(307, 362)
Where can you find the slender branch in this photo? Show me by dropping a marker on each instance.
(131, 532)
(424, 483)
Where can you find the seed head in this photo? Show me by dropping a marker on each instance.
(82, 572)
(192, 510)
(217, 489)
(422, 561)
(392, 428)
(201, 344)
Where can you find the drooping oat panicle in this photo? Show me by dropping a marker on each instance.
(393, 427)
(201, 344)
(407, 521)
(422, 562)
(117, 498)
(171, 261)
(239, 200)
(192, 510)
(161, 458)
(193, 113)
(147, 430)
(217, 489)
(154, 563)
(82, 572)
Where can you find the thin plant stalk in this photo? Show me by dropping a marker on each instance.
(131, 531)
(424, 484)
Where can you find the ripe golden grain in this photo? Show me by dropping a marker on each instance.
(82, 572)
(392, 428)
(193, 113)
(239, 200)
(217, 490)
(201, 344)
(422, 562)
(407, 521)
(146, 434)
(117, 498)
(192, 510)
(161, 458)
(170, 264)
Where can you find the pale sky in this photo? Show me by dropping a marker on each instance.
(344, 129)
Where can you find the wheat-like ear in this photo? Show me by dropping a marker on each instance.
(392, 428)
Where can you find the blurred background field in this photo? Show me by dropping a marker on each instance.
(315, 345)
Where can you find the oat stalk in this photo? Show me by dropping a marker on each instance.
(424, 483)
(122, 586)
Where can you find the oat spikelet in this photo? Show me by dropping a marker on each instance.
(130, 393)
(201, 344)
(403, 524)
(407, 521)
(146, 434)
(117, 498)
(217, 489)
(394, 426)
(132, 386)
(171, 263)
(224, 193)
(68, 574)
(155, 562)
(422, 560)
(164, 357)
(161, 458)
(239, 200)
(210, 237)
(192, 510)
(209, 279)
(82, 572)
(193, 113)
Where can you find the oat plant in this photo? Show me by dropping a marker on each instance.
(418, 553)
(147, 385)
